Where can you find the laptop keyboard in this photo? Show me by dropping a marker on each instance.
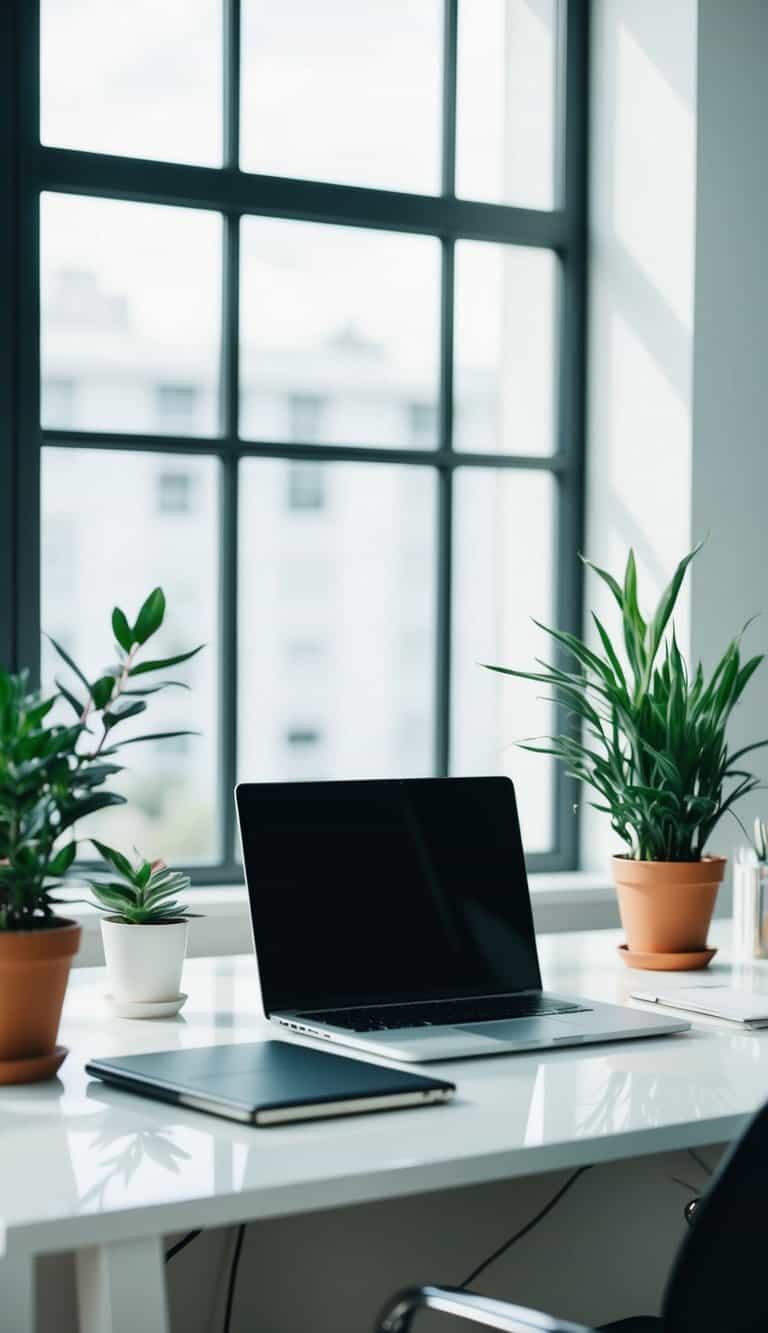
(385, 1018)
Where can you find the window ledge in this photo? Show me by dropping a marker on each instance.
(573, 900)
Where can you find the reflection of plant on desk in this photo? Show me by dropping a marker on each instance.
(153, 1144)
(646, 1093)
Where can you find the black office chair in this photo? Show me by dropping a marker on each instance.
(718, 1283)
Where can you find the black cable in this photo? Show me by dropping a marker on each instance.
(233, 1277)
(182, 1244)
(534, 1222)
(699, 1160)
(692, 1189)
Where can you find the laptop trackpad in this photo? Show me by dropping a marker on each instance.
(518, 1030)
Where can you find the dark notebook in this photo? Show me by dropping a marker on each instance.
(269, 1083)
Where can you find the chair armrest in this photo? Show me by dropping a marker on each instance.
(400, 1313)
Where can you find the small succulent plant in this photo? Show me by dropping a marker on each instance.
(139, 893)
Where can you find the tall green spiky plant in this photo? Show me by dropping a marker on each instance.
(650, 739)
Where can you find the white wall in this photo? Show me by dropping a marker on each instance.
(643, 159)
(730, 454)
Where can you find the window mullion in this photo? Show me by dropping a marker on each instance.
(229, 472)
(444, 520)
(228, 535)
(231, 85)
(23, 421)
(571, 379)
(450, 30)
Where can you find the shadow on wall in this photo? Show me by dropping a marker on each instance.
(643, 189)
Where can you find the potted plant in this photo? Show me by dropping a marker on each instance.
(653, 749)
(144, 935)
(52, 775)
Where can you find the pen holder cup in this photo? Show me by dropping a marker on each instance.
(750, 910)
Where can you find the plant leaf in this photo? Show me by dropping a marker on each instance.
(161, 663)
(121, 863)
(77, 707)
(65, 657)
(150, 617)
(101, 691)
(154, 689)
(121, 710)
(667, 604)
(89, 806)
(122, 630)
(62, 860)
(150, 736)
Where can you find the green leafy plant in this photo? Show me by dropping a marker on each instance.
(140, 893)
(648, 736)
(55, 774)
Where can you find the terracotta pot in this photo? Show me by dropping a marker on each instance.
(34, 966)
(666, 906)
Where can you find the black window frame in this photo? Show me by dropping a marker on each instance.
(29, 168)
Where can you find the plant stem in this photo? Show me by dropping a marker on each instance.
(120, 684)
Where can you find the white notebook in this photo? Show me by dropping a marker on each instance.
(716, 1000)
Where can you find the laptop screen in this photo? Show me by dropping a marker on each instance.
(368, 892)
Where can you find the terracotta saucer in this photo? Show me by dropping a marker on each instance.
(33, 1069)
(667, 962)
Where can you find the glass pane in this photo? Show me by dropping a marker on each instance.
(505, 132)
(336, 620)
(140, 79)
(114, 526)
(503, 576)
(504, 341)
(343, 91)
(340, 333)
(130, 316)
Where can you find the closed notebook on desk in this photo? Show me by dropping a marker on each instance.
(269, 1083)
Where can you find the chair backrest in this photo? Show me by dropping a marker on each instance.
(719, 1280)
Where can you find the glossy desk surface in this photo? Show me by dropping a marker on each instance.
(83, 1165)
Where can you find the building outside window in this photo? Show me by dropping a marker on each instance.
(57, 405)
(305, 411)
(176, 406)
(306, 486)
(421, 424)
(175, 493)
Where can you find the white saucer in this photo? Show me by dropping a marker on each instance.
(145, 1009)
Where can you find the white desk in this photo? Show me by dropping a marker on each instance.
(107, 1174)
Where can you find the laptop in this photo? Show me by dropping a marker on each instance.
(394, 917)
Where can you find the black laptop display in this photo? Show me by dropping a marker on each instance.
(404, 890)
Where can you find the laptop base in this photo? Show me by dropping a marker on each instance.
(599, 1023)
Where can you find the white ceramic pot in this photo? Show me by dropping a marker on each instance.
(144, 962)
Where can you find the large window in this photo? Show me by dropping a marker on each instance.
(296, 331)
